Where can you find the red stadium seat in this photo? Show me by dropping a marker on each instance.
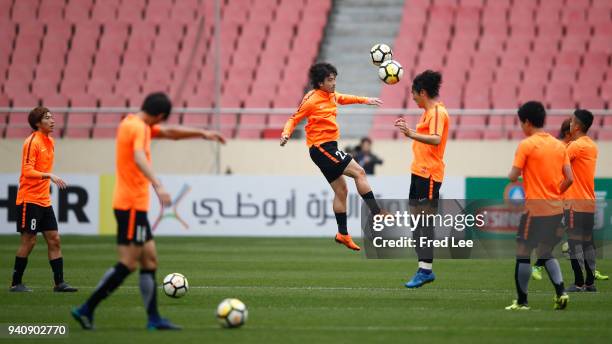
(77, 11)
(468, 134)
(516, 134)
(196, 119)
(51, 11)
(105, 11)
(13, 132)
(272, 133)
(559, 96)
(494, 134)
(604, 134)
(278, 121)
(101, 132)
(246, 133)
(473, 121)
(253, 121)
(131, 11)
(23, 10)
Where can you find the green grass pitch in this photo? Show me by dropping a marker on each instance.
(303, 290)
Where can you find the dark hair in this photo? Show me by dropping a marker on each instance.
(156, 104)
(429, 81)
(534, 112)
(319, 71)
(36, 115)
(565, 128)
(585, 118)
(365, 139)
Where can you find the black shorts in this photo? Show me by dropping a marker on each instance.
(330, 160)
(534, 230)
(423, 189)
(132, 227)
(33, 218)
(579, 223)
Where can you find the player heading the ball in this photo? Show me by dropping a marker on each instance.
(319, 106)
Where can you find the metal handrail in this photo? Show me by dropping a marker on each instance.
(289, 111)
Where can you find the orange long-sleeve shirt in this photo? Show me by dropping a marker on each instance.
(37, 158)
(320, 108)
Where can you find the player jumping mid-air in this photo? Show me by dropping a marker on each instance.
(319, 106)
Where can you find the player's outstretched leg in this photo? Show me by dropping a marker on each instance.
(339, 205)
(57, 262)
(148, 289)
(111, 280)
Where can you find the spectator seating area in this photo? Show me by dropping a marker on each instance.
(494, 54)
(110, 53)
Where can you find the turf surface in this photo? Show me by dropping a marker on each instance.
(303, 290)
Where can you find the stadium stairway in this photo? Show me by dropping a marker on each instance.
(353, 28)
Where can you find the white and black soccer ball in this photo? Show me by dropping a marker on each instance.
(381, 53)
(175, 285)
(390, 72)
(232, 313)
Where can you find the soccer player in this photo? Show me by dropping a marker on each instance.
(34, 204)
(544, 164)
(131, 203)
(565, 136)
(580, 217)
(429, 143)
(319, 106)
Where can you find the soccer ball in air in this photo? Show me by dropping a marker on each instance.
(381, 53)
(390, 72)
(175, 285)
(232, 313)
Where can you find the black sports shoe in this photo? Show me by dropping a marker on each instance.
(20, 288)
(574, 289)
(64, 288)
(161, 324)
(590, 288)
(85, 320)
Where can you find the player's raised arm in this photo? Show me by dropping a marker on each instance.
(345, 99)
(179, 132)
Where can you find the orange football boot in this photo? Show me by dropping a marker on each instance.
(347, 241)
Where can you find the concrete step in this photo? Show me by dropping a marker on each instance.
(354, 27)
